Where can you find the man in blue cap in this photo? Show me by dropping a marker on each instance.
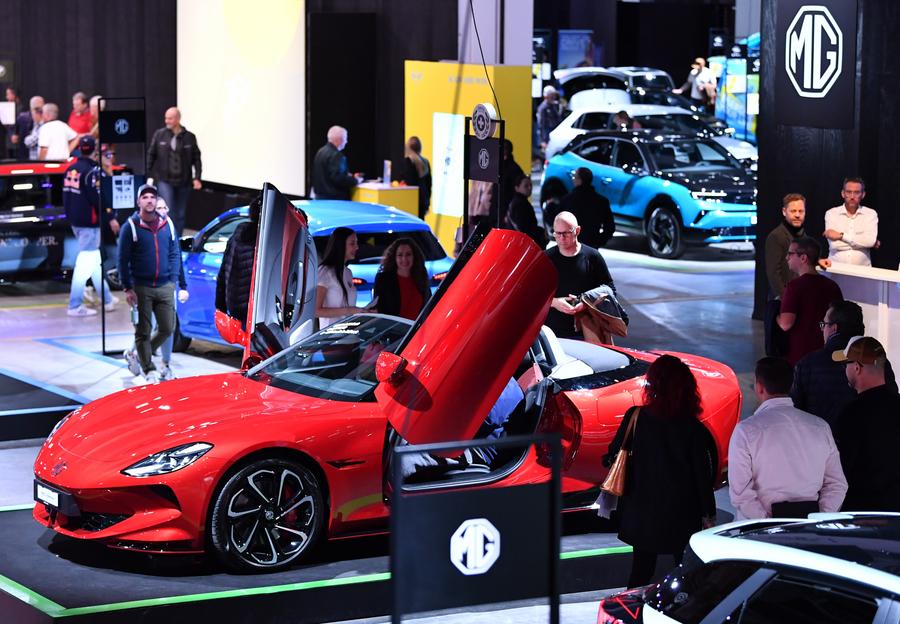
(82, 203)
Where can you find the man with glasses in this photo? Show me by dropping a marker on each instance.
(806, 299)
(868, 429)
(851, 229)
(581, 268)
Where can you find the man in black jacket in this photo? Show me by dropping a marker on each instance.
(793, 211)
(868, 429)
(172, 155)
(233, 280)
(590, 208)
(330, 176)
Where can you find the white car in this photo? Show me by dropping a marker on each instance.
(830, 568)
(648, 116)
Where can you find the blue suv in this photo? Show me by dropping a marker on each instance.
(675, 189)
(376, 227)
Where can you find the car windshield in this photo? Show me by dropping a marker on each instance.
(652, 81)
(691, 155)
(662, 98)
(25, 193)
(673, 122)
(336, 363)
(373, 244)
(591, 81)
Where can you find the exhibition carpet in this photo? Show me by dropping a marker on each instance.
(45, 577)
(29, 408)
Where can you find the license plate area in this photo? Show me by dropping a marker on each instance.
(56, 499)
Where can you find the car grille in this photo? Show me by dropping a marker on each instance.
(740, 197)
(94, 522)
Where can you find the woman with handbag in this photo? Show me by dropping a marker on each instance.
(668, 485)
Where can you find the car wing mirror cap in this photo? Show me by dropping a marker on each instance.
(187, 243)
(390, 368)
(230, 329)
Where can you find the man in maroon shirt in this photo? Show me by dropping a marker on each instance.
(805, 300)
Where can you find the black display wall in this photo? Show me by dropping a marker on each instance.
(109, 47)
(814, 161)
(404, 29)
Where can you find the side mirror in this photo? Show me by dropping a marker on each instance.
(187, 243)
(230, 329)
(390, 368)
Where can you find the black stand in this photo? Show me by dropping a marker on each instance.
(501, 124)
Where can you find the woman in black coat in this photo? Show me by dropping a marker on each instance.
(669, 479)
(417, 172)
(233, 280)
(401, 285)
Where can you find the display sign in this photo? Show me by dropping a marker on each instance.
(815, 67)
(123, 192)
(470, 545)
(7, 71)
(448, 168)
(484, 159)
(122, 126)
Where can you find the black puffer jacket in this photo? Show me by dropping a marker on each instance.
(233, 281)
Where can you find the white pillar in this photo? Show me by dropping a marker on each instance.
(508, 43)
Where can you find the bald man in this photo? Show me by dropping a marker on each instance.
(330, 176)
(581, 268)
(173, 159)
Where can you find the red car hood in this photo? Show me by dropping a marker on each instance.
(144, 420)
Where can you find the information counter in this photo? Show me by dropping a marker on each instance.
(405, 198)
(877, 291)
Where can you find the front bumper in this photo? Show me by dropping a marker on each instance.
(719, 222)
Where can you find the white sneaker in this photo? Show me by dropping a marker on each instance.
(151, 377)
(81, 311)
(165, 373)
(89, 295)
(109, 307)
(134, 366)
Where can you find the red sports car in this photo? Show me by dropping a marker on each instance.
(259, 465)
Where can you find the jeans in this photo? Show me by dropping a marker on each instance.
(152, 301)
(177, 198)
(87, 265)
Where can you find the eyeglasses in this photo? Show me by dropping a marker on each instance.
(822, 324)
(108, 154)
(564, 233)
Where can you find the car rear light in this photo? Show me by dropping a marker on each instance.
(562, 417)
(439, 277)
(358, 281)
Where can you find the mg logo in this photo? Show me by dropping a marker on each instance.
(475, 546)
(484, 158)
(814, 46)
(122, 126)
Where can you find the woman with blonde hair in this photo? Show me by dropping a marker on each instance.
(417, 172)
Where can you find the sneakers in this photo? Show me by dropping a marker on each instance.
(89, 295)
(81, 311)
(109, 307)
(165, 373)
(134, 366)
(151, 377)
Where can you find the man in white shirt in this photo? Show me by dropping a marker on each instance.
(56, 139)
(851, 229)
(782, 454)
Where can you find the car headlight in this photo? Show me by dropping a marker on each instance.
(169, 460)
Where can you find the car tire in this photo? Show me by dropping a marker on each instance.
(552, 191)
(180, 342)
(266, 516)
(665, 235)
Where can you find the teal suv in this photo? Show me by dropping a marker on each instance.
(674, 189)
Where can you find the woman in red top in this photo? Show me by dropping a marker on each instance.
(401, 286)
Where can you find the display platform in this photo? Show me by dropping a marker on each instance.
(30, 408)
(45, 577)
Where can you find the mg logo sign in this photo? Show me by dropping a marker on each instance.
(475, 546)
(122, 126)
(813, 49)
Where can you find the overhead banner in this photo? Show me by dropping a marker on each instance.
(815, 70)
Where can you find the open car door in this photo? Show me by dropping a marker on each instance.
(283, 287)
(467, 342)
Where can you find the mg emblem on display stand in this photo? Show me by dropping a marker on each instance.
(813, 51)
(122, 126)
(484, 158)
(475, 546)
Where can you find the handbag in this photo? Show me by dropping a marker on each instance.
(615, 481)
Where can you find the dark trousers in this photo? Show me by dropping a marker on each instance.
(177, 199)
(152, 301)
(643, 566)
(776, 338)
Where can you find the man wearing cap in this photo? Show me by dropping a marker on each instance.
(549, 114)
(700, 84)
(82, 203)
(148, 267)
(868, 429)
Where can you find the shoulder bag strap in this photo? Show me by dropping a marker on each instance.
(626, 440)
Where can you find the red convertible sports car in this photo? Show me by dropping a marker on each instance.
(260, 465)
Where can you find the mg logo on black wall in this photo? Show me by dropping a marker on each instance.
(813, 51)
